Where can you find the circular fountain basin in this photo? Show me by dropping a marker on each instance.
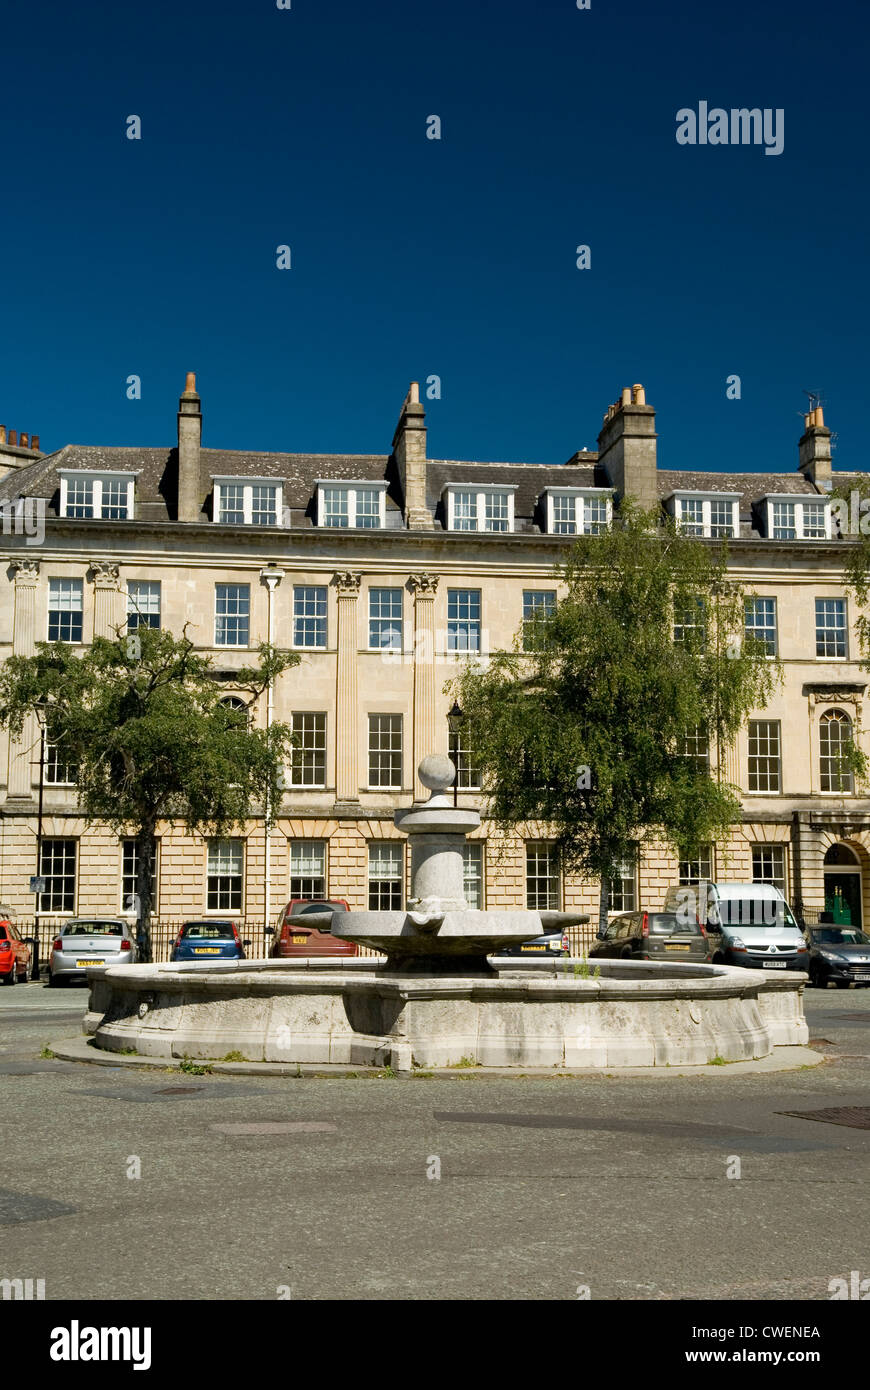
(558, 1013)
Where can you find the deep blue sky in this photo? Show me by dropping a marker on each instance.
(411, 256)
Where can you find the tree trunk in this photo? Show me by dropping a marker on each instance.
(145, 851)
(604, 904)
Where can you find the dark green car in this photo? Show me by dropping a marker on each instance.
(650, 936)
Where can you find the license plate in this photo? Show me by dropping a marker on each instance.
(774, 964)
(206, 950)
(83, 964)
(533, 948)
(678, 948)
(299, 940)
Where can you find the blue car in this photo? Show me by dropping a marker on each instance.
(212, 939)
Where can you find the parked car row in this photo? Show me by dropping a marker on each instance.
(739, 924)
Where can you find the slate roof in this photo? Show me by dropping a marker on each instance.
(157, 480)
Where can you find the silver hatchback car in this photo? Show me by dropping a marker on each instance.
(85, 941)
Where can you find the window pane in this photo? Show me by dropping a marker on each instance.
(564, 515)
(385, 750)
(57, 865)
(768, 866)
(385, 877)
(308, 762)
(80, 497)
(385, 619)
(368, 507)
(309, 616)
(692, 871)
(814, 521)
(143, 603)
(264, 505)
(232, 613)
(59, 771)
(307, 869)
(114, 502)
(623, 887)
(594, 515)
(721, 519)
(542, 877)
(695, 745)
(225, 859)
(764, 755)
(835, 740)
(538, 605)
(831, 627)
(692, 516)
(335, 506)
(760, 622)
(465, 511)
(472, 874)
(232, 503)
(64, 610)
(467, 775)
(463, 620)
(690, 626)
(783, 521)
(496, 511)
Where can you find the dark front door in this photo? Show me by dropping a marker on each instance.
(843, 898)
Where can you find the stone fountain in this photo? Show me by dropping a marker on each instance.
(443, 996)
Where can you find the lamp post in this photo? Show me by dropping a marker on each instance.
(455, 720)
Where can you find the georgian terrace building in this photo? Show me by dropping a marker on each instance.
(384, 571)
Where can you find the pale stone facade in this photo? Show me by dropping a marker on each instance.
(364, 694)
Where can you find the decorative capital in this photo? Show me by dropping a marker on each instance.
(424, 585)
(106, 573)
(26, 571)
(347, 582)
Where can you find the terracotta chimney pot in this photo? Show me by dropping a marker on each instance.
(13, 438)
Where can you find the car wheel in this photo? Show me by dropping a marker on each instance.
(11, 978)
(53, 980)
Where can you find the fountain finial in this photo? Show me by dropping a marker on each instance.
(437, 773)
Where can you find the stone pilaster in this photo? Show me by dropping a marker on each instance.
(21, 752)
(109, 615)
(347, 584)
(424, 588)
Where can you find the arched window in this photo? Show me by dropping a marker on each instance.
(835, 740)
(238, 706)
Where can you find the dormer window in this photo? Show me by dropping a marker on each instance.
(351, 505)
(247, 501)
(480, 507)
(711, 514)
(575, 511)
(107, 496)
(797, 519)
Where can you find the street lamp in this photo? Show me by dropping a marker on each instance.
(455, 720)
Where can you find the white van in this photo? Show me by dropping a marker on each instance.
(748, 924)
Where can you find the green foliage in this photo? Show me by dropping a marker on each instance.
(46, 1053)
(144, 721)
(606, 687)
(192, 1068)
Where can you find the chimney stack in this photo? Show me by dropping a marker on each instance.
(814, 451)
(409, 451)
(2, 434)
(190, 498)
(13, 438)
(34, 443)
(24, 444)
(627, 447)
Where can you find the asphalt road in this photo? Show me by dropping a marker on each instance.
(616, 1183)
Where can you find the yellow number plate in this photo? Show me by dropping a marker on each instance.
(82, 964)
(299, 940)
(206, 950)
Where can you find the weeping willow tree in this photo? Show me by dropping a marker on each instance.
(148, 728)
(600, 720)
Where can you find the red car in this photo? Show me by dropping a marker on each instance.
(293, 937)
(14, 955)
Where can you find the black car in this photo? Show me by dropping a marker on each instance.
(650, 936)
(550, 944)
(841, 954)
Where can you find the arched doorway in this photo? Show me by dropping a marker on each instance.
(843, 887)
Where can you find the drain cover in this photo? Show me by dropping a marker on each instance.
(854, 1116)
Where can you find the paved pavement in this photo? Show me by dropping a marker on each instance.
(252, 1185)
